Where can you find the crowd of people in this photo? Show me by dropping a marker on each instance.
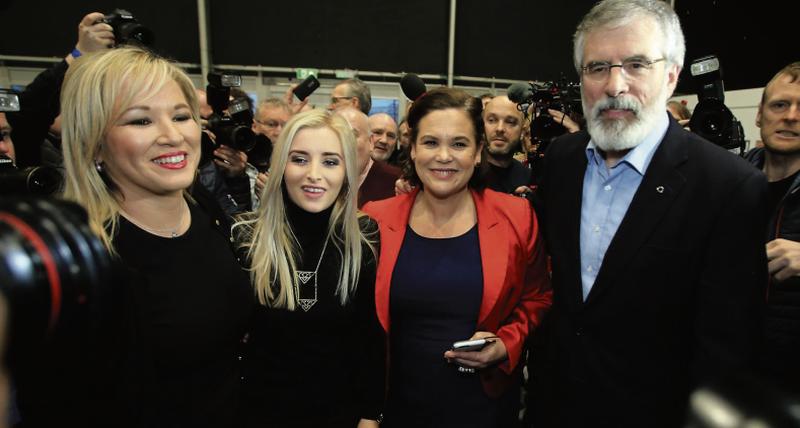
(323, 278)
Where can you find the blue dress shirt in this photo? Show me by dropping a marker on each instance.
(607, 193)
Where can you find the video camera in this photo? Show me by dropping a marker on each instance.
(231, 121)
(127, 30)
(562, 96)
(711, 119)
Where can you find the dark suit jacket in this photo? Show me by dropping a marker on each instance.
(379, 183)
(516, 290)
(678, 297)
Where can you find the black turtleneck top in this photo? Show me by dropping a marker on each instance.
(321, 367)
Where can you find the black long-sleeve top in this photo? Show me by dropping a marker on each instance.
(324, 367)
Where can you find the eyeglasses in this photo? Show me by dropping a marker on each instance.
(634, 68)
(335, 100)
(269, 123)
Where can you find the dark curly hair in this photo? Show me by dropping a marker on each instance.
(443, 99)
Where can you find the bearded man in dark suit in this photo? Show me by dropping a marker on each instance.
(656, 238)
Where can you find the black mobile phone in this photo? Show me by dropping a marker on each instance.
(306, 87)
(471, 345)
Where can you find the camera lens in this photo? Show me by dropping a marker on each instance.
(38, 180)
(242, 138)
(713, 121)
(54, 270)
(137, 33)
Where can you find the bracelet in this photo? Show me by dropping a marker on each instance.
(76, 53)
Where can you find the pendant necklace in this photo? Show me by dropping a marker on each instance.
(303, 276)
(172, 232)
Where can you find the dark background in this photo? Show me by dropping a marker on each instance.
(508, 39)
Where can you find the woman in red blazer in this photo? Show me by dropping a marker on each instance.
(457, 262)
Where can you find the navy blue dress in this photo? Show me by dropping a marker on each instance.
(436, 293)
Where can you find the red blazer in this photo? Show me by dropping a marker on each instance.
(516, 286)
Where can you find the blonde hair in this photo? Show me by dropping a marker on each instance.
(97, 89)
(271, 246)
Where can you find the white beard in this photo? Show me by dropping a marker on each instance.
(615, 135)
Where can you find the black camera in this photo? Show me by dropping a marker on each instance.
(563, 96)
(34, 180)
(57, 282)
(54, 270)
(127, 30)
(711, 119)
(232, 119)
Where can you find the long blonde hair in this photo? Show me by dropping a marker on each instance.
(97, 89)
(271, 246)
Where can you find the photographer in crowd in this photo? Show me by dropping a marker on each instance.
(779, 120)
(131, 137)
(224, 172)
(39, 103)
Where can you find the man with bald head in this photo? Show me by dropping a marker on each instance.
(383, 133)
(503, 123)
(375, 179)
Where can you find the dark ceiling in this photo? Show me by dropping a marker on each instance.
(509, 39)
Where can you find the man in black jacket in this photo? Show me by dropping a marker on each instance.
(655, 235)
(779, 120)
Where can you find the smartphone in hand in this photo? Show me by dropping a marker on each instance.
(471, 345)
(306, 87)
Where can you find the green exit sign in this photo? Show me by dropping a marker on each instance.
(302, 73)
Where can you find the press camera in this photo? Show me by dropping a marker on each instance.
(127, 30)
(711, 119)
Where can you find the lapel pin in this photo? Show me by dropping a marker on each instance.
(660, 189)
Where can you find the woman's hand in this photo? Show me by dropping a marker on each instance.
(490, 355)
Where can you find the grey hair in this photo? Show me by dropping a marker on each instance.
(610, 14)
(273, 102)
(357, 88)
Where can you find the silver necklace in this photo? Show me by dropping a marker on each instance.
(304, 276)
(164, 233)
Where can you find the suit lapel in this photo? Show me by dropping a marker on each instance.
(660, 186)
(494, 254)
(391, 241)
(566, 190)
